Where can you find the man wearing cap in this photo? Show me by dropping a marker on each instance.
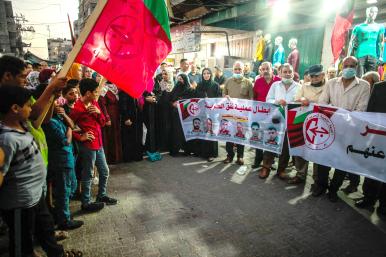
(308, 93)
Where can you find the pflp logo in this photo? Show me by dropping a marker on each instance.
(193, 109)
(318, 131)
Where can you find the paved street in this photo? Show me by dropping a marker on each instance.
(186, 207)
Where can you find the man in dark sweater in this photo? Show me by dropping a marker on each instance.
(374, 190)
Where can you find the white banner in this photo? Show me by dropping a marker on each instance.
(256, 124)
(349, 141)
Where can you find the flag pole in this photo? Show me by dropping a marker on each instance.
(71, 31)
(72, 55)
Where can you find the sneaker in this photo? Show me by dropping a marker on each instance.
(107, 200)
(210, 159)
(333, 197)
(71, 224)
(92, 207)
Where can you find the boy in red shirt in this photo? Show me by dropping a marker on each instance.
(88, 116)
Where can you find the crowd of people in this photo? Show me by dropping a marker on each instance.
(50, 156)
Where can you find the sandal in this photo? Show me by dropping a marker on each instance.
(72, 253)
(264, 172)
(61, 235)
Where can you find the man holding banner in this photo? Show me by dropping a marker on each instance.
(281, 92)
(374, 189)
(237, 87)
(350, 93)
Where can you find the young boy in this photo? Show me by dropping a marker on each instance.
(88, 116)
(61, 164)
(22, 176)
(70, 94)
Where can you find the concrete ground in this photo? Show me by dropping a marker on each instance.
(185, 206)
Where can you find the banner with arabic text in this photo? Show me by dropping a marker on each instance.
(256, 124)
(349, 141)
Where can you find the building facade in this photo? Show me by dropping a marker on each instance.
(85, 9)
(58, 49)
(10, 36)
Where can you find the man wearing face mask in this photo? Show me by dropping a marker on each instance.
(348, 92)
(281, 92)
(308, 93)
(237, 87)
(260, 91)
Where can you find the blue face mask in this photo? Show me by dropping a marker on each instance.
(349, 73)
(237, 76)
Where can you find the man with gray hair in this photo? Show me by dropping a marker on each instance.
(237, 87)
(331, 73)
(294, 56)
(372, 77)
(351, 93)
(281, 92)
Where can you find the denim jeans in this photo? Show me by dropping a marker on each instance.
(89, 159)
(64, 187)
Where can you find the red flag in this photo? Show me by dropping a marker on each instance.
(128, 41)
(343, 21)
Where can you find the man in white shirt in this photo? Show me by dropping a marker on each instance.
(348, 92)
(281, 92)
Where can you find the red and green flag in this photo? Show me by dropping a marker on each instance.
(127, 42)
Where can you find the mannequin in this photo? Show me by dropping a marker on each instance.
(366, 42)
(278, 56)
(294, 56)
(259, 52)
(268, 48)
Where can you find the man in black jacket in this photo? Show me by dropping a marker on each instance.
(373, 189)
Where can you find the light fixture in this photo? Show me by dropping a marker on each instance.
(371, 1)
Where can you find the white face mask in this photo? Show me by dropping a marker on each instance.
(287, 81)
(237, 75)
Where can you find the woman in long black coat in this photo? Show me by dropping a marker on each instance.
(182, 90)
(208, 88)
(131, 116)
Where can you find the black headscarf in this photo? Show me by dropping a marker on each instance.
(181, 90)
(207, 88)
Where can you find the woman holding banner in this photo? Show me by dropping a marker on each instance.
(182, 90)
(207, 88)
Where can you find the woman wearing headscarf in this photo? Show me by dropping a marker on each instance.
(162, 91)
(182, 90)
(208, 88)
(108, 101)
(131, 115)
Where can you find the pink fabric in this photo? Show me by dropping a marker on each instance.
(126, 46)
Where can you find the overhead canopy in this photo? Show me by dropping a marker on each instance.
(28, 56)
(252, 15)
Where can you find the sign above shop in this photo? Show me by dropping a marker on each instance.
(183, 40)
